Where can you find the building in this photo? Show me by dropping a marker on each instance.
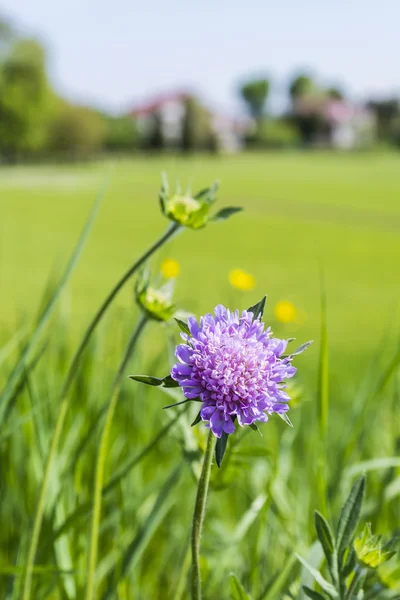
(167, 112)
(337, 123)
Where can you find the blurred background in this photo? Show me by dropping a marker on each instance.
(295, 108)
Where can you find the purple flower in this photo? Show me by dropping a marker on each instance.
(234, 367)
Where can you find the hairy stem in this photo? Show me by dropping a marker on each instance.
(64, 403)
(198, 516)
(102, 456)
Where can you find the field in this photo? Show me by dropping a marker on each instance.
(308, 219)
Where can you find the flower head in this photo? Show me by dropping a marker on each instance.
(192, 211)
(170, 268)
(156, 303)
(241, 280)
(235, 367)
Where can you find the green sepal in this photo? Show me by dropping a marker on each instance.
(166, 381)
(285, 418)
(225, 213)
(183, 326)
(207, 195)
(254, 427)
(300, 349)
(197, 420)
(258, 309)
(220, 448)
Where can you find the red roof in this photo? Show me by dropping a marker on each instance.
(149, 107)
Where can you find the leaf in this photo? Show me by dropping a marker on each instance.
(254, 427)
(183, 326)
(279, 581)
(166, 381)
(326, 538)
(322, 582)
(197, 420)
(301, 348)
(207, 195)
(169, 382)
(225, 213)
(238, 591)
(258, 309)
(349, 517)
(284, 417)
(350, 563)
(183, 402)
(147, 379)
(220, 448)
(312, 594)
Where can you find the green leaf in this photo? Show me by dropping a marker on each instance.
(349, 517)
(197, 420)
(147, 379)
(207, 195)
(258, 309)
(350, 563)
(301, 348)
(254, 427)
(284, 417)
(183, 326)
(183, 402)
(225, 213)
(279, 581)
(169, 382)
(312, 594)
(166, 381)
(220, 448)
(238, 591)
(322, 582)
(326, 538)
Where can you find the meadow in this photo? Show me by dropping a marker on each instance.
(311, 222)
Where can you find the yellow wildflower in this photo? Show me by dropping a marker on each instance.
(170, 268)
(241, 280)
(285, 312)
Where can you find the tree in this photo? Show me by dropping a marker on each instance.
(255, 94)
(300, 86)
(335, 93)
(24, 94)
(120, 133)
(76, 132)
(196, 128)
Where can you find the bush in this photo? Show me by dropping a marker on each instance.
(76, 132)
(121, 134)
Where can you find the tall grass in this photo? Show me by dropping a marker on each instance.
(135, 514)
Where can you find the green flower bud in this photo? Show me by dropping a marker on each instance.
(155, 302)
(369, 549)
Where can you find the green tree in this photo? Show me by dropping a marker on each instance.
(24, 95)
(301, 85)
(335, 93)
(76, 132)
(196, 128)
(120, 134)
(255, 94)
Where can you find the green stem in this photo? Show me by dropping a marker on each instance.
(359, 574)
(198, 516)
(64, 404)
(101, 459)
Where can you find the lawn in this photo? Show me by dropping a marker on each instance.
(304, 213)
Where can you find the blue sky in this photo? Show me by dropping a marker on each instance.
(114, 52)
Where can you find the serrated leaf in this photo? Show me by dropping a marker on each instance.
(311, 594)
(220, 448)
(226, 212)
(326, 538)
(258, 309)
(285, 417)
(349, 517)
(183, 326)
(238, 591)
(322, 582)
(197, 420)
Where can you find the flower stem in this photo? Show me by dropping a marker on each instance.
(101, 459)
(198, 516)
(64, 404)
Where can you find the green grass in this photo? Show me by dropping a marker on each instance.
(303, 212)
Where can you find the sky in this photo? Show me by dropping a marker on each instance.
(114, 53)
